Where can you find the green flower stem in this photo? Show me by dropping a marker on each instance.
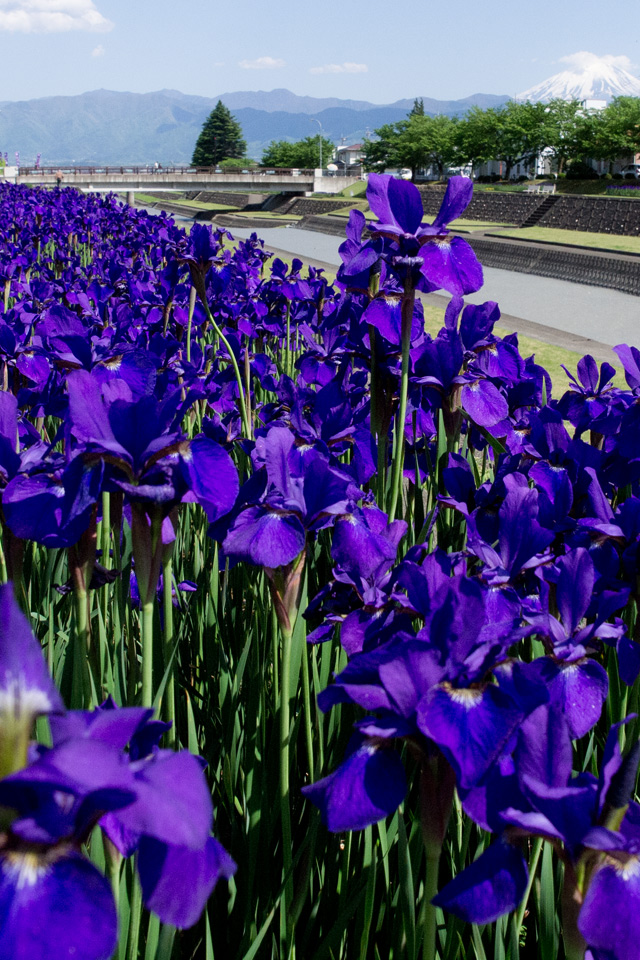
(147, 653)
(105, 544)
(135, 916)
(14, 747)
(533, 866)
(113, 860)
(247, 381)
(376, 400)
(105, 539)
(285, 811)
(192, 306)
(81, 684)
(168, 700)
(50, 640)
(383, 447)
(275, 653)
(429, 924)
(306, 695)
(375, 420)
(146, 538)
(246, 425)
(398, 462)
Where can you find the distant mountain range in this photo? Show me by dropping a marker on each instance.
(105, 126)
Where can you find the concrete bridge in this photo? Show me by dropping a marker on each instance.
(141, 179)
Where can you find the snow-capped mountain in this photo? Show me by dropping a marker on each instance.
(588, 78)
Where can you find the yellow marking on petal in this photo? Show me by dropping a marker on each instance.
(27, 867)
(24, 869)
(464, 696)
(113, 364)
(626, 871)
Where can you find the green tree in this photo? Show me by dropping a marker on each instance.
(567, 130)
(513, 133)
(429, 142)
(476, 135)
(301, 153)
(382, 152)
(616, 132)
(521, 133)
(417, 110)
(220, 138)
(419, 141)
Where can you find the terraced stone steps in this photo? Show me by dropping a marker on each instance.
(540, 211)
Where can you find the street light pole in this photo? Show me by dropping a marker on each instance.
(313, 120)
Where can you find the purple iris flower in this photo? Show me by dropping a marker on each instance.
(54, 902)
(53, 506)
(589, 396)
(434, 690)
(577, 682)
(522, 542)
(358, 257)
(303, 493)
(140, 438)
(443, 262)
(414, 257)
(364, 547)
(593, 826)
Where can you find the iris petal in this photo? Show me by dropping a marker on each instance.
(493, 885)
(55, 906)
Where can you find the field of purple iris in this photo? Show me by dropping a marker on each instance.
(370, 596)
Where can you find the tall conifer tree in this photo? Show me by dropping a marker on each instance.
(221, 138)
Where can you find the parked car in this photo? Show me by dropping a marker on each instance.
(631, 170)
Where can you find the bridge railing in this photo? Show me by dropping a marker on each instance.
(86, 170)
(149, 169)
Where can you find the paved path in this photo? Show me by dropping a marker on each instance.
(573, 315)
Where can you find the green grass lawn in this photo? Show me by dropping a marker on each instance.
(266, 215)
(345, 211)
(148, 198)
(194, 204)
(602, 241)
(204, 205)
(468, 226)
(355, 190)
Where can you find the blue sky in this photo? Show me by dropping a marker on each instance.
(381, 50)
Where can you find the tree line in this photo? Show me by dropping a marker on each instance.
(513, 133)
